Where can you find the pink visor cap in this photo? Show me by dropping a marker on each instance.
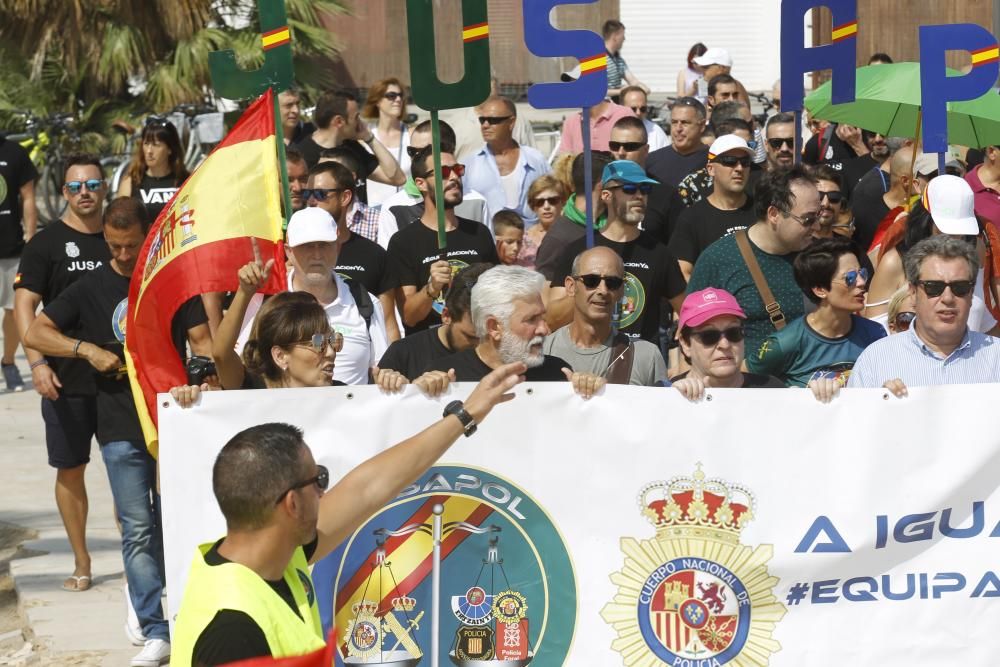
(701, 306)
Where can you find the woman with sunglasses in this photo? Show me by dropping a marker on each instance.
(546, 197)
(947, 206)
(386, 104)
(902, 310)
(157, 168)
(819, 350)
(710, 334)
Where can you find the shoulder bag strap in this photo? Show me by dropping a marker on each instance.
(620, 367)
(771, 305)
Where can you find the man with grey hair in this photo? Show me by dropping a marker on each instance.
(939, 348)
(509, 316)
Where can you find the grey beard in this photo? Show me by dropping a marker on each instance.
(514, 349)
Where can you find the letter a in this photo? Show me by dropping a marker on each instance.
(474, 87)
(835, 545)
(545, 41)
(838, 56)
(937, 88)
(277, 71)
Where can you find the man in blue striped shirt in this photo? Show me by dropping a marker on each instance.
(939, 348)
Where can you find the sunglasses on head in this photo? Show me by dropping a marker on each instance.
(935, 288)
(904, 320)
(731, 161)
(92, 185)
(711, 337)
(538, 202)
(157, 121)
(630, 146)
(493, 120)
(592, 280)
(319, 194)
(392, 96)
(321, 480)
(447, 170)
(835, 196)
(319, 341)
(851, 277)
(632, 188)
(778, 142)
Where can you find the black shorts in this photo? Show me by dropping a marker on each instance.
(70, 425)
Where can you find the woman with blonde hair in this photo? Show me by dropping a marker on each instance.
(546, 197)
(386, 106)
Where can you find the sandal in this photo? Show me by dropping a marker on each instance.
(77, 584)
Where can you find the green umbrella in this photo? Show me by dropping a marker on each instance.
(887, 101)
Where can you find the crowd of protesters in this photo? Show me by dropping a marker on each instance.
(724, 256)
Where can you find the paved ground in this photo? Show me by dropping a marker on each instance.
(43, 624)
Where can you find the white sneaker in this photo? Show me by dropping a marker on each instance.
(156, 652)
(133, 629)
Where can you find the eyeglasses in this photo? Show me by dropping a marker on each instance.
(92, 185)
(935, 288)
(447, 171)
(592, 280)
(711, 337)
(319, 194)
(393, 96)
(731, 161)
(630, 146)
(493, 120)
(778, 142)
(806, 220)
(319, 341)
(851, 277)
(538, 202)
(632, 188)
(638, 111)
(903, 320)
(848, 226)
(835, 196)
(321, 480)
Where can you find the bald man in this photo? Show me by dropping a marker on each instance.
(589, 342)
(902, 184)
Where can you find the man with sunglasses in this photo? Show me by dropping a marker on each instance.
(603, 117)
(637, 99)
(686, 152)
(250, 594)
(589, 343)
(503, 170)
(779, 135)
(93, 311)
(939, 347)
(651, 272)
(726, 210)
(55, 258)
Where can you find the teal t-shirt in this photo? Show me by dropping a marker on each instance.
(798, 354)
(721, 266)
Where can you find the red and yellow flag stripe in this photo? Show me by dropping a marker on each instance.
(593, 64)
(846, 31)
(275, 38)
(474, 33)
(986, 56)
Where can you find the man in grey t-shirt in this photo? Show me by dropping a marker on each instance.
(588, 343)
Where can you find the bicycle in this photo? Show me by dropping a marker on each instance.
(766, 103)
(48, 141)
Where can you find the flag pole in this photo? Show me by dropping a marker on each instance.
(588, 178)
(279, 135)
(438, 183)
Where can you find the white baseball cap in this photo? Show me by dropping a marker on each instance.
(951, 203)
(309, 225)
(726, 143)
(714, 56)
(927, 164)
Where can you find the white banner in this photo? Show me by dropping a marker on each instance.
(756, 527)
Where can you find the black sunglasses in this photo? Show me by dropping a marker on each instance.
(639, 110)
(835, 196)
(904, 320)
(630, 146)
(319, 194)
(731, 161)
(592, 280)
(778, 142)
(632, 188)
(392, 97)
(711, 337)
(851, 277)
(493, 120)
(321, 480)
(935, 288)
(92, 185)
(538, 202)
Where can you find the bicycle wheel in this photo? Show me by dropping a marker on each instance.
(50, 190)
(114, 167)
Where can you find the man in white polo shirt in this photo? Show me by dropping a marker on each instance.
(312, 251)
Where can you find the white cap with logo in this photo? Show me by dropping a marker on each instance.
(726, 143)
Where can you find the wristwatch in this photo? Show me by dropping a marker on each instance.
(458, 409)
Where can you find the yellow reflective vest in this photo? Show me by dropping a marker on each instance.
(212, 588)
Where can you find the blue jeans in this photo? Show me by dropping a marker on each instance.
(132, 474)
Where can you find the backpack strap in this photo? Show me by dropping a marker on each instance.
(771, 305)
(364, 300)
(622, 355)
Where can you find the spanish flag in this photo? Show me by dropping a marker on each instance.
(197, 244)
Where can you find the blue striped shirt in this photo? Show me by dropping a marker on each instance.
(904, 356)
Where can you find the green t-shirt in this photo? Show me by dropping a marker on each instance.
(798, 354)
(721, 266)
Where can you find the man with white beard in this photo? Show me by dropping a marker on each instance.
(509, 317)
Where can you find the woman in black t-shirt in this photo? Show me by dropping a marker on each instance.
(157, 168)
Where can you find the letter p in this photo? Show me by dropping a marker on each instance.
(797, 59)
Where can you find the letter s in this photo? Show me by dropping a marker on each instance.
(545, 41)
(839, 56)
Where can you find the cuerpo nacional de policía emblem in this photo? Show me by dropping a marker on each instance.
(693, 595)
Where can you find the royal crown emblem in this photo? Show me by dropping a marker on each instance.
(693, 592)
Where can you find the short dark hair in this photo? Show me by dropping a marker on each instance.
(692, 102)
(448, 140)
(126, 212)
(293, 155)
(816, 266)
(253, 469)
(880, 57)
(631, 123)
(83, 159)
(340, 174)
(730, 125)
(824, 172)
(599, 160)
(422, 164)
(507, 218)
(785, 118)
(611, 26)
(727, 110)
(717, 81)
(458, 299)
(330, 105)
(343, 156)
(775, 189)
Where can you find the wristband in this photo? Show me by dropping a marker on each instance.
(76, 348)
(35, 364)
(427, 290)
